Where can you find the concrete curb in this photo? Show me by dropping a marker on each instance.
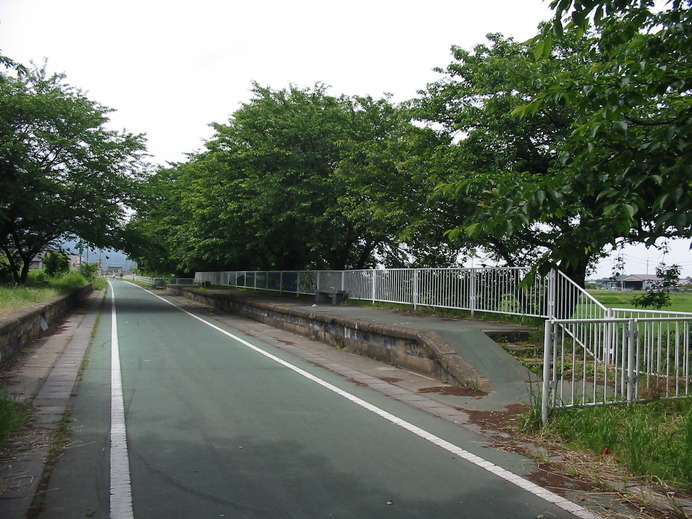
(52, 383)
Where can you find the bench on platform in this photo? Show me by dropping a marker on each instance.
(337, 296)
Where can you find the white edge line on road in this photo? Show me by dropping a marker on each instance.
(120, 484)
(505, 474)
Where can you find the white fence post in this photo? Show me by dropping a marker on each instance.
(374, 285)
(552, 291)
(547, 345)
(472, 288)
(631, 337)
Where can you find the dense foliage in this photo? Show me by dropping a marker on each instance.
(62, 172)
(546, 152)
(630, 143)
(296, 179)
(505, 166)
(56, 263)
(598, 150)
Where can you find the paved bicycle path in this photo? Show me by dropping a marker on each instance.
(220, 423)
(398, 384)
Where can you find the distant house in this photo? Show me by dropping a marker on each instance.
(634, 282)
(37, 261)
(609, 283)
(114, 270)
(639, 281)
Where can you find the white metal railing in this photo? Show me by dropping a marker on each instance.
(638, 313)
(592, 354)
(161, 282)
(494, 290)
(611, 360)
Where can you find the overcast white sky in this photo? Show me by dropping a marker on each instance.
(171, 67)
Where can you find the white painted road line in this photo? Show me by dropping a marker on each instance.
(519, 481)
(120, 484)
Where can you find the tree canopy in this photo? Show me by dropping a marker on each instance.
(63, 174)
(545, 152)
(605, 114)
(297, 178)
(630, 144)
(502, 166)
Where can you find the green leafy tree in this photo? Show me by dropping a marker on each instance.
(56, 263)
(279, 154)
(296, 179)
(155, 235)
(629, 147)
(88, 270)
(501, 169)
(618, 166)
(389, 173)
(63, 174)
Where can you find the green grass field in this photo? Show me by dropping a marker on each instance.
(680, 301)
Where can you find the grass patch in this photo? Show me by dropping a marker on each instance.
(12, 415)
(99, 283)
(652, 440)
(67, 282)
(679, 301)
(16, 298)
(39, 288)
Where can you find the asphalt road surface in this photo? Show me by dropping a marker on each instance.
(178, 417)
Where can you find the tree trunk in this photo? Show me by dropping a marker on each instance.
(26, 265)
(12, 261)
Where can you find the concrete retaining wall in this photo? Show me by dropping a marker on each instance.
(420, 351)
(21, 328)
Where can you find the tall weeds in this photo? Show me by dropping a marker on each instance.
(39, 287)
(652, 439)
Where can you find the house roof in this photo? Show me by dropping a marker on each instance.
(642, 277)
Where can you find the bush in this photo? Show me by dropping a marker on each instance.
(56, 262)
(88, 270)
(5, 271)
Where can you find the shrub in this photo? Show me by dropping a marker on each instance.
(55, 262)
(88, 270)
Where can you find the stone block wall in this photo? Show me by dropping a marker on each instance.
(23, 327)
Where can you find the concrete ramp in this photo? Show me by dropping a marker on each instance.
(508, 381)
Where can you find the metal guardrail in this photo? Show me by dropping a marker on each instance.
(162, 282)
(592, 354)
(494, 290)
(615, 360)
